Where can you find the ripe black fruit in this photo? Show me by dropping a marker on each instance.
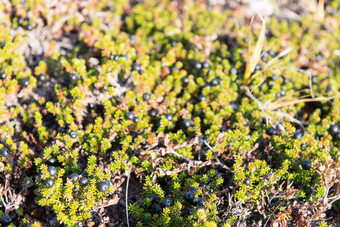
(215, 82)
(193, 189)
(306, 164)
(4, 152)
(136, 119)
(135, 67)
(51, 161)
(205, 65)
(201, 207)
(285, 80)
(130, 116)
(201, 98)
(83, 181)
(104, 186)
(169, 117)
(24, 82)
(334, 129)
(270, 131)
(187, 123)
(152, 197)
(42, 77)
(167, 202)
(283, 92)
(158, 208)
(52, 170)
(298, 135)
(73, 134)
(153, 113)
(185, 80)
(73, 77)
(49, 182)
(233, 70)
(197, 65)
(247, 181)
(2, 76)
(189, 196)
(146, 96)
(202, 201)
(74, 177)
(6, 220)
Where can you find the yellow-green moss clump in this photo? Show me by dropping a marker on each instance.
(154, 94)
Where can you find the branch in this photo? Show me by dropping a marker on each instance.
(250, 95)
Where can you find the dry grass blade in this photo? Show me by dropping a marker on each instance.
(279, 104)
(317, 8)
(320, 13)
(256, 56)
(311, 5)
(280, 55)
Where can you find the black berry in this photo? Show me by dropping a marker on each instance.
(42, 77)
(152, 197)
(283, 92)
(187, 123)
(205, 65)
(193, 189)
(306, 164)
(2, 76)
(83, 181)
(233, 70)
(74, 177)
(202, 201)
(153, 113)
(130, 116)
(146, 96)
(52, 170)
(167, 202)
(189, 196)
(247, 181)
(285, 80)
(104, 186)
(169, 117)
(4, 152)
(202, 98)
(201, 207)
(303, 146)
(185, 80)
(215, 82)
(51, 161)
(334, 129)
(73, 134)
(197, 65)
(6, 220)
(24, 82)
(49, 182)
(135, 67)
(73, 77)
(270, 131)
(136, 119)
(298, 135)
(158, 208)
(29, 27)
(174, 69)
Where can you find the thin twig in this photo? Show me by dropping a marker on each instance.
(4, 204)
(250, 95)
(185, 158)
(292, 119)
(126, 197)
(258, 85)
(303, 71)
